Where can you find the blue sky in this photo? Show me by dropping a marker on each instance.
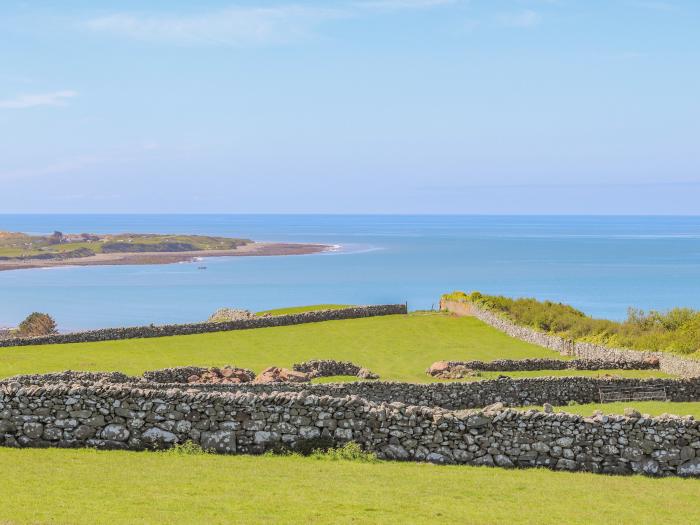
(376, 106)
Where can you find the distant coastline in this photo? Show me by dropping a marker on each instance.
(100, 259)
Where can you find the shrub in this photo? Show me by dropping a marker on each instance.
(188, 448)
(37, 324)
(349, 452)
(677, 330)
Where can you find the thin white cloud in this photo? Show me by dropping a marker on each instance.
(57, 98)
(394, 5)
(233, 26)
(526, 18)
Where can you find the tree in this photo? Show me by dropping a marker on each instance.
(36, 324)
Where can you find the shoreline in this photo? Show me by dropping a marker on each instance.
(260, 249)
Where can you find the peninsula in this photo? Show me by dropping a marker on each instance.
(21, 251)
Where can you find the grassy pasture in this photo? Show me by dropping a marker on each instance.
(653, 408)
(92, 487)
(396, 347)
(300, 309)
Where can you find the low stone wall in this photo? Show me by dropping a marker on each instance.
(523, 365)
(113, 416)
(110, 334)
(453, 395)
(330, 368)
(327, 368)
(669, 363)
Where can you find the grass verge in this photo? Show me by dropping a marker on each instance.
(654, 408)
(92, 487)
(301, 309)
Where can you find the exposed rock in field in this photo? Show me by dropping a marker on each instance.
(275, 374)
(223, 315)
(445, 370)
(225, 375)
(438, 368)
(366, 373)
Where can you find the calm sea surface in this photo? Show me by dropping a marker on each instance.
(599, 264)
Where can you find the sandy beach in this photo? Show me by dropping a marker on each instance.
(248, 250)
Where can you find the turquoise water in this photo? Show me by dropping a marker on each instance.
(599, 264)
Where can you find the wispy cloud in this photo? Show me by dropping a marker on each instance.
(394, 5)
(57, 98)
(80, 162)
(525, 18)
(232, 26)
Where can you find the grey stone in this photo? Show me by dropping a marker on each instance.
(221, 441)
(158, 436)
(33, 430)
(115, 432)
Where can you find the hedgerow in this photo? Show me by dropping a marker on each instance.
(676, 330)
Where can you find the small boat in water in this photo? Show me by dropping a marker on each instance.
(201, 267)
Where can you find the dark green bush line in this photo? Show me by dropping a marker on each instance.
(676, 330)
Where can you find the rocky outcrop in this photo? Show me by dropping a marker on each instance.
(114, 416)
(451, 370)
(223, 315)
(225, 375)
(275, 374)
(110, 334)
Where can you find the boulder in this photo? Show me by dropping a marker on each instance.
(366, 373)
(438, 368)
(275, 374)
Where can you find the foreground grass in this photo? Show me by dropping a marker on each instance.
(300, 309)
(397, 347)
(654, 408)
(86, 486)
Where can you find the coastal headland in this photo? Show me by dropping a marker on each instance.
(21, 251)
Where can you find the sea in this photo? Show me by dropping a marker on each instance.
(600, 264)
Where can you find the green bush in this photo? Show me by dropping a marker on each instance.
(676, 330)
(188, 448)
(349, 452)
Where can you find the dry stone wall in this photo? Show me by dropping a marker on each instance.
(119, 416)
(453, 396)
(669, 363)
(110, 334)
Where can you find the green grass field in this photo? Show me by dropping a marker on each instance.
(91, 487)
(653, 408)
(300, 309)
(397, 347)
(88, 486)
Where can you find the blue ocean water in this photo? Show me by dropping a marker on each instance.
(599, 264)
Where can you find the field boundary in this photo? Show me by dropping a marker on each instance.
(113, 334)
(669, 363)
(118, 416)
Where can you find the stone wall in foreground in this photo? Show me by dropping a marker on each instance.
(669, 363)
(117, 416)
(110, 334)
(535, 391)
